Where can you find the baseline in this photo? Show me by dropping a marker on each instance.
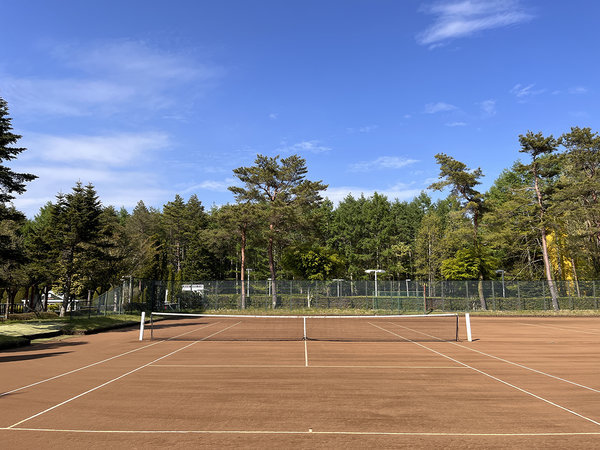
(310, 431)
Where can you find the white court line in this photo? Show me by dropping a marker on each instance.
(559, 328)
(295, 366)
(324, 432)
(99, 362)
(502, 359)
(305, 353)
(119, 377)
(494, 378)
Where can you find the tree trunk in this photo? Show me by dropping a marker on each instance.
(575, 278)
(272, 269)
(480, 290)
(548, 270)
(46, 293)
(547, 266)
(243, 268)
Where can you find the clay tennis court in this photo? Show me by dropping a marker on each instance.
(522, 382)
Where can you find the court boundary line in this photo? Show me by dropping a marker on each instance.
(297, 366)
(497, 379)
(305, 353)
(2, 394)
(560, 328)
(308, 432)
(117, 378)
(504, 360)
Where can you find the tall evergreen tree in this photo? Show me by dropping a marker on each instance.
(281, 187)
(543, 169)
(11, 184)
(463, 181)
(77, 231)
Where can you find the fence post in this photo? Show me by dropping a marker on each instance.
(594, 294)
(493, 295)
(443, 298)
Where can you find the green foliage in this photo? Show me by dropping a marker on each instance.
(469, 264)
(313, 262)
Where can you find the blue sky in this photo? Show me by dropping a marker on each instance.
(147, 99)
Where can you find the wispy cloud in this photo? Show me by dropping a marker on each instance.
(456, 19)
(398, 191)
(578, 90)
(434, 108)
(488, 108)
(383, 162)
(313, 146)
(363, 129)
(456, 124)
(212, 185)
(112, 150)
(273, 116)
(110, 78)
(122, 167)
(525, 92)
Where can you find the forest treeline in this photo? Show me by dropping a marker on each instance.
(539, 220)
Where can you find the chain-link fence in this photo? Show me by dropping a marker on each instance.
(136, 295)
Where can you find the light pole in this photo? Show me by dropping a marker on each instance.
(407, 280)
(375, 271)
(502, 272)
(248, 282)
(338, 284)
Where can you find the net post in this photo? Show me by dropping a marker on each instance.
(151, 327)
(468, 323)
(142, 325)
(304, 321)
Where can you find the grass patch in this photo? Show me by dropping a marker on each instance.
(540, 313)
(86, 325)
(312, 312)
(12, 341)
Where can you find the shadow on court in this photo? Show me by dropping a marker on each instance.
(12, 358)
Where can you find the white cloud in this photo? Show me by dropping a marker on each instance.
(462, 18)
(456, 124)
(578, 90)
(363, 129)
(383, 162)
(524, 92)
(400, 192)
(122, 167)
(273, 116)
(434, 108)
(109, 79)
(112, 150)
(313, 146)
(488, 107)
(212, 185)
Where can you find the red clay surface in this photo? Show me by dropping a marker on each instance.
(523, 382)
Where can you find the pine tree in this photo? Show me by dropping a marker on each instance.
(281, 187)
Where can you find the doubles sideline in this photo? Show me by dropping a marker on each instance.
(492, 377)
(119, 377)
(98, 362)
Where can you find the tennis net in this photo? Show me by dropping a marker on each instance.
(214, 327)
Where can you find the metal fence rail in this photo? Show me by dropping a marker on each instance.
(403, 295)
